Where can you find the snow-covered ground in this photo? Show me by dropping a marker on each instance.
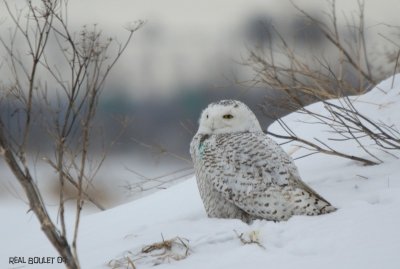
(363, 233)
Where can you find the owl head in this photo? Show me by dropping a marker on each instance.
(228, 116)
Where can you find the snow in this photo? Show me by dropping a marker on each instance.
(363, 233)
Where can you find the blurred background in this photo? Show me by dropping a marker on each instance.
(188, 54)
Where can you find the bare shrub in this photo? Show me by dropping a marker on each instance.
(65, 73)
(306, 77)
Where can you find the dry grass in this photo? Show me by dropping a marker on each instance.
(173, 249)
(252, 237)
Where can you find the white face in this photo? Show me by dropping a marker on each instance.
(228, 116)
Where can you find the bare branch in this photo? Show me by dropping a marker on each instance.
(77, 80)
(328, 151)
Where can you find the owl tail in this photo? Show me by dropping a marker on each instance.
(324, 207)
(328, 209)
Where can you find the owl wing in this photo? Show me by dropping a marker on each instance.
(249, 162)
(251, 169)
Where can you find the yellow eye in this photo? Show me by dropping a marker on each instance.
(227, 116)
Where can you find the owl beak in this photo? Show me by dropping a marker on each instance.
(212, 126)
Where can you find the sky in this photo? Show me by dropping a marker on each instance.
(187, 42)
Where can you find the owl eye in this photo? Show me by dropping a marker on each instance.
(227, 116)
(207, 116)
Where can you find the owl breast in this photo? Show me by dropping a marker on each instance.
(207, 165)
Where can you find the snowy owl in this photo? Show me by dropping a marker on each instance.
(241, 173)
